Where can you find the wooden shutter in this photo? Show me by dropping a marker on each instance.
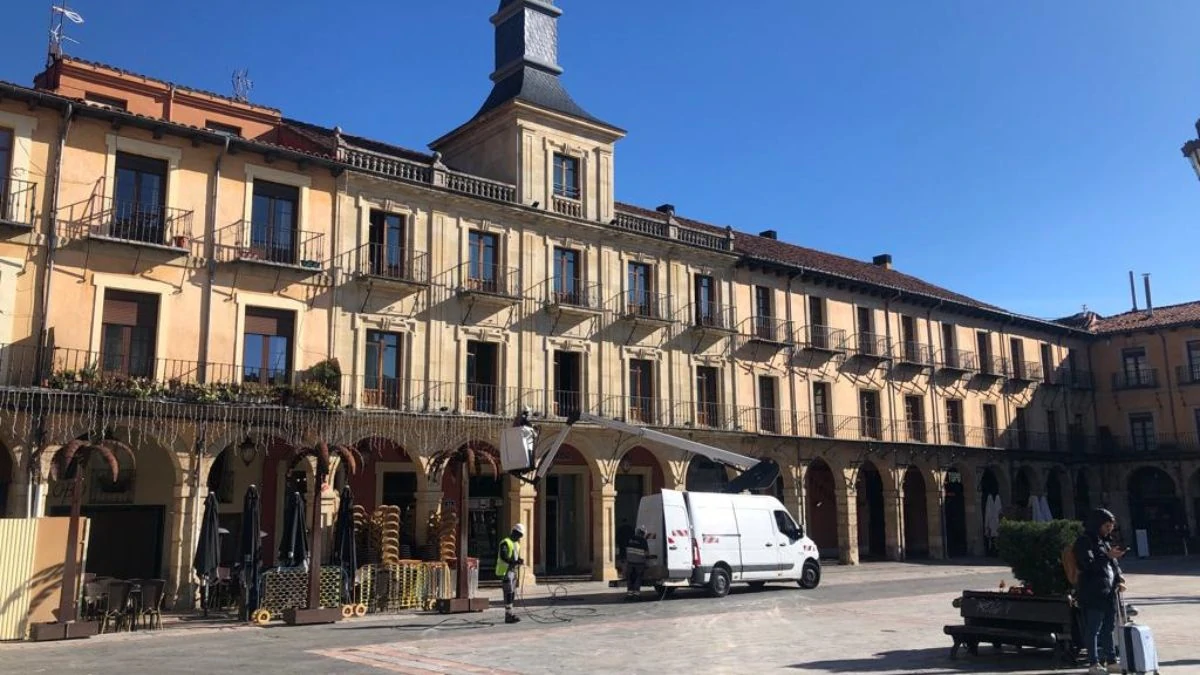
(120, 312)
(261, 324)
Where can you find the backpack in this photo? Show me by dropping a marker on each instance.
(1070, 565)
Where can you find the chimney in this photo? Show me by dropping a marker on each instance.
(883, 260)
(668, 209)
(1149, 303)
(1132, 290)
(769, 234)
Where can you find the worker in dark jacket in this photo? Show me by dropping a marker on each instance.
(637, 554)
(1099, 582)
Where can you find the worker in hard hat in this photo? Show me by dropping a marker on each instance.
(637, 554)
(508, 557)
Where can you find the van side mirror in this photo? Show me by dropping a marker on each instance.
(799, 532)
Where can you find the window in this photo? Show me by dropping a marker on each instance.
(707, 312)
(567, 277)
(386, 244)
(990, 427)
(1021, 428)
(273, 222)
(1136, 367)
(954, 421)
(912, 344)
(568, 383)
(914, 415)
(950, 347)
(818, 333)
(483, 374)
(641, 390)
(708, 385)
(101, 99)
(787, 526)
(382, 370)
(267, 347)
(566, 176)
(822, 420)
(1047, 364)
(641, 290)
(869, 423)
(764, 313)
(768, 407)
(1017, 349)
(1191, 373)
(1051, 430)
(139, 198)
(483, 262)
(222, 128)
(127, 333)
(866, 335)
(1141, 428)
(983, 343)
(7, 212)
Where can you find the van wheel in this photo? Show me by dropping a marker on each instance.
(810, 576)
(718, 582)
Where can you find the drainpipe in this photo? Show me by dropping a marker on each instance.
(210, 229)
(937, 432)
(891, 382)
(790, 367)
(340, 184)
(31, 495)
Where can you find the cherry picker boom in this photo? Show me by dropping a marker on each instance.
(518, 455)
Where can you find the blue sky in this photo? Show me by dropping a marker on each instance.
(1023, 152)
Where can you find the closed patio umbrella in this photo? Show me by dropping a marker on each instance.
(250, 551)
(208, 548)
(345, 554)
(293, 545)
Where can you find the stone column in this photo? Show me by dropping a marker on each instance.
(935, 500)
(793, 490)
(429, 502)
(847, 519)
(893, 522)
(604, 549)
(181, 520)
(520, 504)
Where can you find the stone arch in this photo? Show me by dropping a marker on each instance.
(563, 513)
(1154, 506)
(1058, 488)
(916, 513)
(487, 495)
(639, 472)
(1024, 486)
(705, 475)
(820, 487)
(870, 486)
(956, 509)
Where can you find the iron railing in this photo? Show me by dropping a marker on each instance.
(996, 366)
(710, 315)
(1189, 374)
(915, 353)
(768, 329)
(1142, 378)
(18, 202)
(380, 261)
(824, 338)
(130, 222)
(1027, 371)
(240, 242)
(489, 279)
(872, 345)
(959, 360)
(574, 293)
(642, 305)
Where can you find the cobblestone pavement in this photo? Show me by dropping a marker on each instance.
(882, 618)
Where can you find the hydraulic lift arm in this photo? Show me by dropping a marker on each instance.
(757, 474)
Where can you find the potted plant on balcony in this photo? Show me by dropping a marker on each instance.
(180, 241)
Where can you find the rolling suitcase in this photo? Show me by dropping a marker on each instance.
(1136, 644)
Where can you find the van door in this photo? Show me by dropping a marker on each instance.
(677, 534)
(792, 547)
(760, 555)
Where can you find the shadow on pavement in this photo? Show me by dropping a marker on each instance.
(936, 661)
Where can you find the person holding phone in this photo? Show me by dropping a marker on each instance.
(1100, 581)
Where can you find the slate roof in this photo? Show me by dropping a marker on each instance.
(1187, 313)
(538, 88)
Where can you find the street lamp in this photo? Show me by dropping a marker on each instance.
(1191, 150)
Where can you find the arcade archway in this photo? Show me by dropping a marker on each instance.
(821, 496)
(955, 514)
(916, 515)
(1155, 507)
(872, 531)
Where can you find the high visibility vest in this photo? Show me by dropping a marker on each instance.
(507, 545)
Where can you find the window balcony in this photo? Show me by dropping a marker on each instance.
(703, 415)
(957, 361)
(768, 421)
(1187, 375)
(650, 309)
(824, 339)
(645, 410)
(297, 250)
(573, 297)
(1027, 371)
(768, 330)
(710, 317)
(914, 353)
(131, 223)
(400, 270)
(915, 431)
(1144, 378)
(466, 398)
(994, 366)
(568, 206)
(557, 405)
(495, 284)
(849, 427)
(872, 346)
(18, 203)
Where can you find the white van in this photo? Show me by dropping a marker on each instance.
(712, 540)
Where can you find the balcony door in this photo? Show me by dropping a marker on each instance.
(768, 406)
(822, 419)
(1136, 367)
(274, 217)
(568, 382)
(483, 377)
(381, 386)
(7, 212)
(764, 313)
(267, 346)
(641, 390)
(483, 261)
(567, 276)
(706, 301)
(139, 199)
(128, 329)
(387, 245)
(641, 288)
(708, 386)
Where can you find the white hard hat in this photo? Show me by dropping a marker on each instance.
(519, 529)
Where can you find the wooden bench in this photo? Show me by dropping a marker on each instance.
(1017, 620)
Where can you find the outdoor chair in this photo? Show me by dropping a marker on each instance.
(117, 606)
(93, 595)
(152, 600)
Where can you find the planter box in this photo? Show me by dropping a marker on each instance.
(987, 605)
(1017, 620)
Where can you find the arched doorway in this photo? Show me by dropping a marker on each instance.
(1083, 495)
(232, 472)
(485, 511)
(705, 475)
(390, 478)
(822, 508)
(1155, 508)
(916, 516)
(639, 474)
(989, 487)
(955, 514)
(563, 512)
(1054, 493)
(872, 532)
(1022, 488)
(7, 477)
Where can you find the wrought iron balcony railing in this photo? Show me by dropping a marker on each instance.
(710, 315)
(872, 345)
(380, 261)
(573, 294)
(129, 222)
(1075, 378)
(489, 279)
(824, 338)
(646, 410)
(850, 427)
(1189, 374)
(958, 360)
(18, 202)
(768, 329)
(995, 366)
(1142, 378)
(915, 353)
(1027, 371)
(243, 242)
(637, 305)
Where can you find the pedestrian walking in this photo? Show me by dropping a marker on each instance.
(1097, 591)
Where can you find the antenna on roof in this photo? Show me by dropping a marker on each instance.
(242, 85)
(59, 15)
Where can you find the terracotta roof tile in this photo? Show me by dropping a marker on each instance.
(1162, 317)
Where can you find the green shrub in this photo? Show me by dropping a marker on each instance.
(1034, 552)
